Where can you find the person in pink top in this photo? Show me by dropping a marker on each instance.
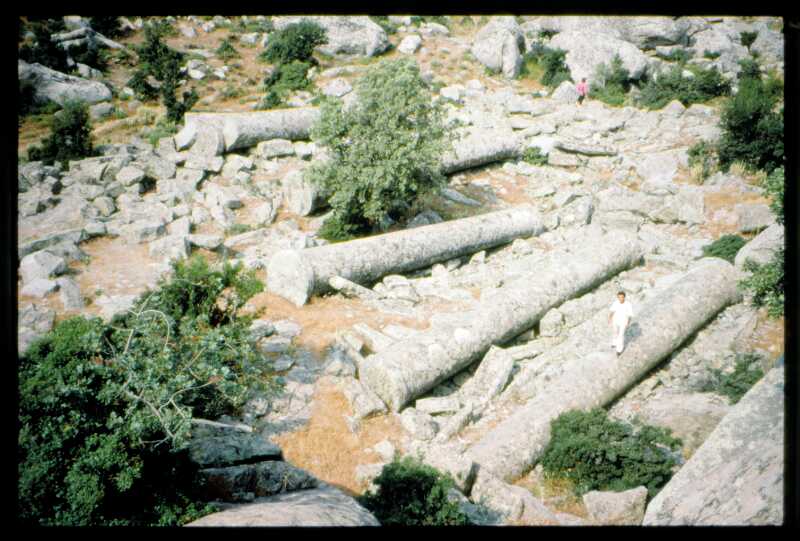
(583, 90)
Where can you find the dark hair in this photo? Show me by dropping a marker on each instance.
(584, 79)
(621, 293)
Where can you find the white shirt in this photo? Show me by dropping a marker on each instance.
(622, 311)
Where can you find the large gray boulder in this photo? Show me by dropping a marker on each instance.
(50, 85)
(347, 35)
(498, 44)
(616, 508)
(736, 477)
(587, 50)
(643, 32)
(762, 248)
(322, 506)
(41, 264)
(237, 483)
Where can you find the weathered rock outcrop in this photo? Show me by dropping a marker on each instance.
(736, 477)
(50, 85)
(497, 46)
(296, 275)
(762, 248)
(594, 380)
(412, 367)
(586, 51)
(322, 506)
(350, 35)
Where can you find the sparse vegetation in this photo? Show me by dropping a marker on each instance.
(411, 493)
(735, 384)
(725, 247)
(703, 158)
(612, 82)
(385, 150)
(545, 63)
(679, 55)
(767, 283)
(105, 409)
(598, 453)
(711, 55)
(70, 136)
(383, 21)
(534, 156)
(674, 84)
(226, 51)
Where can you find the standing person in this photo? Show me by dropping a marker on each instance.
(619, 316)
(583, 90)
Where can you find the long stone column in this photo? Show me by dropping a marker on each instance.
(479, 147)
(243, 130)
(298, 274)
(594, 380)
(410, 368)
(736, 477)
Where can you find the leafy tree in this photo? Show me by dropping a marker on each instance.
(748, 38)
(295, 42)
(105, 409)
(725, 247)
(598, 453)
(226, 50)
(385, 149)
(70, 136)
(413, 494)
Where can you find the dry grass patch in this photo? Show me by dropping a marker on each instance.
(769, 335)
(556, 493)
(328, 449)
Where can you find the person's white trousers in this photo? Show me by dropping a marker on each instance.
(619, 334)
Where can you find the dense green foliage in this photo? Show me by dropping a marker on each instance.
(703, 155)
(106, 408)
(284, 79)
(747, 38)
(549, 62)
(767, 283)
(734, 385)
(295, 42)
(226, 51)
(70, 136)
(43, 50)
(598, 453)
(674, 85)
(385, 149)
(108, 25)
(612, 82)
(774, 186)
(726, 247)
(413, 494)
(534, 155)
(752, 131)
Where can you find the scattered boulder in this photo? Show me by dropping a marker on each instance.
(410, 44)
(586, 50)
(762, 248)
(53, 86)
(498, 44)
(616, 508)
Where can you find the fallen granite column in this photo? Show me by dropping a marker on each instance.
(298, 274)
(243, 130)
(410, 368)
(736, 477)
(594, 380)
(479, 147)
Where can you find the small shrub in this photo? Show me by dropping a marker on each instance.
(412, 494)
(748, 38)
(295, 42)
(385, 150)
(238, 229)
(231, 92)
(774, 185)
(681, 56)
(226, 51)
(384, 22)
(767, 283)
(284, 79)
(164, 128)
(546, 34)
(749, 69)
(598, 453)
(725, 247)
(534, 156)
(674, 85)
(70, 136)
(141, 87)
(735, 385)
(703, 156)
(751, 131)
(545, 63)
(711, 55)
(613, 82)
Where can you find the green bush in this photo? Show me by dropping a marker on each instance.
(70, 136)
(673, 85)
(703, 154)
(89, 53)
(534, 155)
(748, 38)
(681, 56)
(774, 186)
(226, 51)
(295, 42)
(384, 22)
(43, 50)
(613, 82)
(540, 59)
(735, 384)
(105, 409)
(726, 247)
(163, 128)
(108, 25)
(767, 283)
(284, 79)
(412, 494)
(598, 453)
(752, 132)
(156, 57)
(385, 149)
(711, 55)
(176, 108)
(143, 89)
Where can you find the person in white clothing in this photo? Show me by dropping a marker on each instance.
(620, 316)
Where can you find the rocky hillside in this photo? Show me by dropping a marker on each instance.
(460, 334)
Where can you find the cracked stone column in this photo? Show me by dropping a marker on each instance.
(481, 146)
(736, 477)
(298, 274)
(243, 130)
(410, 368)
(596, 379)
